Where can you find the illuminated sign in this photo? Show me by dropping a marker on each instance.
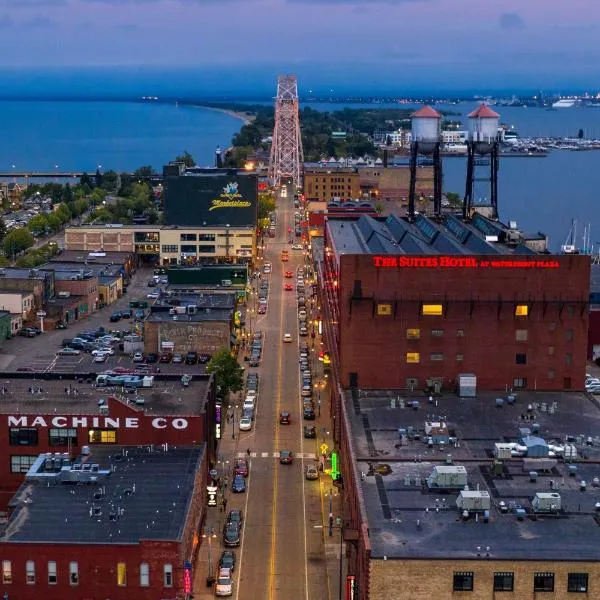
(211, 493)
(218, 420)
(230, 198)
(187, 577)
(460, 262)
(350, 587)
(94, 422)
(334, 466)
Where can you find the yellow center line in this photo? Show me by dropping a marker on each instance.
(276, 444)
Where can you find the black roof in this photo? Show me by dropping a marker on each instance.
(146, 497)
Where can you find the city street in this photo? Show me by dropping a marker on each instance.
(283, 551)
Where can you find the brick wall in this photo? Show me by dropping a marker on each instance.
(204, 338)
(427, 580)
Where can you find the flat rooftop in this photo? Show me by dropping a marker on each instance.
(81, 256)
(56, 396)
(408, 520)
(146, 497)
(100, 269)
(199, 299)
(203, 315)
(449, 235)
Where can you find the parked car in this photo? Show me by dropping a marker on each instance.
(245, 424)
(204, 358)
(114, 317)
(152, 357)
(138, 357)
(231, 535)
(241, 467)
(239, 485)
(177, 358)
(68, 352)
(227, 560)
(191, 358)
(235, 516)
(165, 357)
(224, 583)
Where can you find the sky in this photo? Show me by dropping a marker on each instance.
(335, 46)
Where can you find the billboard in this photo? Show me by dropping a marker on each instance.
(211, 197)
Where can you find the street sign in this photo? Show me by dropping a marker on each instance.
(211, 491)
(40, 313)
(324, 448)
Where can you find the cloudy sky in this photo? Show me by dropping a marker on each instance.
(394, 44)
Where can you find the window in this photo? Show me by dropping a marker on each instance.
(23, 436)
(168, 575)
(521, 310)
(504, 582)
(73, 573)
(188, 237)
(571, 310)
(21, 464)
(577, 582)
(413, 357)
(460, 333)
(521, 359)
(102, 436)
(206, 237)
(413, 334)
(29, 572)
(543, 582)
(521, 335)
(188, 249)
(412, 383)
(463, 582)
(569, 335)
(568, 358)
(144, 574)
(459, 358)
(432, 310)
(519, 383)
(437, 332)
(121, 574)
(52, 578)
(384, 310)
(207, 249)
(6, 571)
(62, 437)
(437, 356)
(169, 248)
(550, 350)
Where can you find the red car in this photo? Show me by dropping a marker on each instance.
(288, 274)
(286, 457)
(241, 467)
(262, 310)
(288, 287)
(284, 417)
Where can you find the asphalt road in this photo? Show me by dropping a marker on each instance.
(282, 552)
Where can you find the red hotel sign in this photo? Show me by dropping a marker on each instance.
(468, 262)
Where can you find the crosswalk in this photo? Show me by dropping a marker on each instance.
(299, 455)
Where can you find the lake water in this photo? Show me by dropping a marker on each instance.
(38, 135)
(541, 194)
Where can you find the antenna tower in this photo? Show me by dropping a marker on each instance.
(286, 150)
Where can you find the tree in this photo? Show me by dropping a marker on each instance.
(63, 213)
(86, 180)
(16, 241)
(186, 158)
(145, 171)
(97, 196)
(53, 221)
(67, 194)
(266, 204)
(37, 225)
(2, 228)
(228, 372)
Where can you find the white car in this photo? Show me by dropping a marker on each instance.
(287, 337)
(249, 403)
(302, 314)
(138, 357)
(245, 424)
(152, 295)
(107, 351)
(224, 586)
(251, 394)
(100, 358)
(296, 246)
(68, 352)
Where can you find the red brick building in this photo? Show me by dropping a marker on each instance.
(413, 305)
(119, 522)
(64, 416)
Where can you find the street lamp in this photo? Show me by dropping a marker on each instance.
(210, 536)
(233, 423)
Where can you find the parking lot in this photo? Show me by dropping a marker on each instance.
(38, 354)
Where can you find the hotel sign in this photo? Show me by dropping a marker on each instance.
(461, 262)
(94, 422)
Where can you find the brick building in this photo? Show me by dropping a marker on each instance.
(413, 305)
(65, 415)
(324, 184)
(39, 283)
(392, 183)
(114, 522)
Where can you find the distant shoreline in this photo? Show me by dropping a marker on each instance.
(242, 116)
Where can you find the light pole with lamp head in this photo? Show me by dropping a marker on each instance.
(210, 536)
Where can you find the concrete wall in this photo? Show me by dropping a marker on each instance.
(17, 303)
(478, 331)
(428, 579)
(94, 239)
(36, 286)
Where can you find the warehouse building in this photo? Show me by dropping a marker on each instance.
(415, 304)
(115, 522)
(63, 415)
(526, 527)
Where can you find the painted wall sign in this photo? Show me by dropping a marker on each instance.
(94, 422)
(461, 262)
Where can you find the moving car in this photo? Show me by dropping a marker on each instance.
(284, 417)
(311, 472)
(308, 411)
(287, 337)
(288, 287)
(231, 535)
(310, 432)
(68, 352)
(224, 584)
(239, 485)
(227, 560)
(286, 457)
(288, 275)
(241, 467)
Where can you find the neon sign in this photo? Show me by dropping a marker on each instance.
(461, 262)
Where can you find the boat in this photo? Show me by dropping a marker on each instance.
(564, 103)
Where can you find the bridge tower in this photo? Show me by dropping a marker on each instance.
(287, 157)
